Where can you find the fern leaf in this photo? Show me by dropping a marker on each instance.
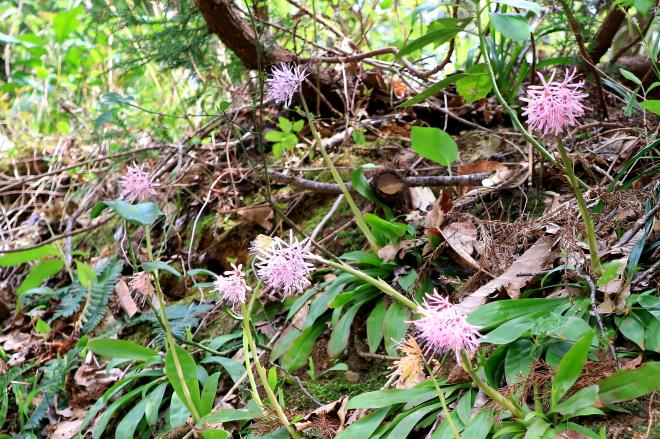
(108, 273)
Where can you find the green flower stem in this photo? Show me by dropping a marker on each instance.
(492, 393)
(378, 283)
(582, 206)
(263, 376)
(168, 334)
(247, 334)
(359, 219)
(443, 402)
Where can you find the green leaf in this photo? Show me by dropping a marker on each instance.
(518, 361)
(581, 399)
(386, 398)
(160, 265)
(274, 136)
(234, 368)
(285, 124)
(341, 331)
(633, 330)
(208, 394)
(109, 412)
(41, 327)
(407, 423)
(214, 433)
(375, 325)
(178, 413)
(229, 415)
(40, 273)
(479, 426)
(630, 76)
(141, 214)
(121, 349)
(434, 144)
(432, 90)
(298, 352)
(652, 105)
(364, 427)
(385, 231)
(522, 4)
(154, 400)
(66, 22)
(86, 274)
(437, 36)
(475, 84)
(495, 313)
(20, 257)
(189, 369)
(629, 384)
(509, 331)
(395, 326)
(363, 187)
(570, 368)
(512, 26)
(126, 428)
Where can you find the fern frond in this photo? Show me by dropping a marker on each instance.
(108, 273)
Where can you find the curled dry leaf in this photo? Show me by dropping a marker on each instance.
(461, 236)
(261, 215)
(422, 198)
(436, 217)
(329, 416)
(64, 430)
(125, 299)
(536, 258)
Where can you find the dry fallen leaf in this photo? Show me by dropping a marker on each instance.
(261, 215)
(461, 236)
(65, 429)
(536, 258)
(436, 217)
(125, 299)
(421, 198)
(332, 415)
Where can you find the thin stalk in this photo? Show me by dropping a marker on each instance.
(378, 283)
(359, 219)
(582, 206)
(443, 402)
(246, 347)
(168, 335)
(263, 376)
(492, 393)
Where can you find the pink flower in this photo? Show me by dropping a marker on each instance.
(136, 185)
(554, 106)
(442, 327)
(283, 266)
(232, 287)
(283, 82)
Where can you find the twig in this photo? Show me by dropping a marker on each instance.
(638, 225)
(300, 384)
(319, 227)
(332, 188)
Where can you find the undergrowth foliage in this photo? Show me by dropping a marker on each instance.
(338, 219)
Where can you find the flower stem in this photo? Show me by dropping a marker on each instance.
(582, 206)
(168, 335)
(247, 334)
(378, 283)
(359, 219)
(443, 402)
(492, 393)
(263, 377)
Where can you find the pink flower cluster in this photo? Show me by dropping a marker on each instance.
(283, 266)
(283, 82)
(136, 185)
(232, 286)
(442, 327)
(554, 106)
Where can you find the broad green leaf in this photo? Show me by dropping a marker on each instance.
(41, 327)
(153, 402)
(479, 426)
(652, 105)
(109, 412)
(364, 427)
(298, 352)
(40, 273)
(189, 370)
(518, 361)
(385, 231)
(66, 22)
(522, 4)
(341, 331)
(570, 368)
(406, 425)
(436, 36)
(21, 257)
(475, 84)
(630, 76)
(495, 313)
(581, 399)
(433, 144)
(86, 274)
(386, 398)
(126, 427)
(234, 368)
(375, 325)
(629, 384)
(360, 183)
(214, 433)
(633, 330)
(395, 326)
(251, 411)
(141, 214)
(512, 26)
(432, 90)
(160, 265)
(121, 349)
(538, 429)
(178, 413)
(208, 394)
(509, 331)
